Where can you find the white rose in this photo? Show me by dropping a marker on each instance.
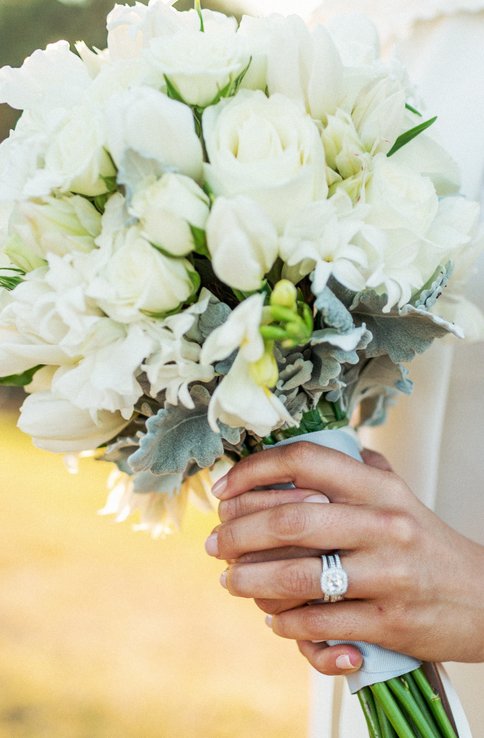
(305, 66)
(400, 198)
(267, 149)
(242, 241)
(48, 80)
(342, 145)
(51, 225)
(76, 159)
(148, 123)
(57, 425)
(131, 28)
(167, 208)
(379, 114)
(136, 278)
(199, 65)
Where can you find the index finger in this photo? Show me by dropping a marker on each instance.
(308, 466)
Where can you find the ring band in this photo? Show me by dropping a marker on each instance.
(334, 579)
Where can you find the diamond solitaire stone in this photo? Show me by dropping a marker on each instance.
(334, 580)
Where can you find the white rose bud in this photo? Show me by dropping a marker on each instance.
(136, 278)
(266, 148)
(57, 425)
(242, 241)
(77, 159)
(167, 208)
(51, 226)
(199, 65)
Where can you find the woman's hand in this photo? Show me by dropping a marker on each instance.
(415, 585)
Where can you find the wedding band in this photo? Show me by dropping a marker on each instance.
(334, 579)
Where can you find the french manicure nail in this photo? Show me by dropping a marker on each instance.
(316, 498)
(223, 578)
(269, 621)
(211, 545)
(219, 487)
(343, 662)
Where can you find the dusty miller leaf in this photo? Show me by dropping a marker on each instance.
(333, 312)
(432, 290)
(214, 316)
(179, 440)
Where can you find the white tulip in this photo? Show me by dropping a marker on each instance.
(304, 66)
(242, 241)
(167, 208)
(57, 425)
(267, 149)
(240, 402)
(135, 278)
(241, 331)
(148, 123)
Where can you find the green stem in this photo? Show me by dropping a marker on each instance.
(369, 711)
(417, 695)
(409, 705)
(435, 703)
(385, 725)
(387, 701)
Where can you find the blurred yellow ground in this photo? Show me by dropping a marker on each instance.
(105, 633)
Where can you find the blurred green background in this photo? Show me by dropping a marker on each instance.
(105, 633)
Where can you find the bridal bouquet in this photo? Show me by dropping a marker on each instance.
(214, 237)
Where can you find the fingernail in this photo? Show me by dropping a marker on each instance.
(223, 578)
(269, 621)
(211, 545)
(344, 663)
(316, 498)
(219, 487)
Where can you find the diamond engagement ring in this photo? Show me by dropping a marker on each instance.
(334, 579)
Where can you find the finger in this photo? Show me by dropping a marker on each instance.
(300, 579)
(274, 607)
(373, 458)
(331, 660)
(326, 527)
(253, 501)
(276, 554)
(345, 621)
(309, 466)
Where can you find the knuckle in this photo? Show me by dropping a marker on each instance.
(289, 522)
(402, 529)
(296, 580)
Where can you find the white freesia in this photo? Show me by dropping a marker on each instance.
(240, 331)
(239, 401)
(167, 208)
(321, 238)
(304, 66)
(57, 425)
(133, 278)
(56, 225)
(51, 79)
(266, 148)
(242, 241)
(105, 378)
(175, 362)
(199, 65)
(156, 128)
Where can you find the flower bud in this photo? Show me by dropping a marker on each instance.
(284, 294)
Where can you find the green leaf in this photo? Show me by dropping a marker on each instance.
(401, 333)
(408, 136)
(10, 281)
(200, 239)
(178, 438)
(172, 91)
(413, 110)
(20, 380)
(198, 8)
